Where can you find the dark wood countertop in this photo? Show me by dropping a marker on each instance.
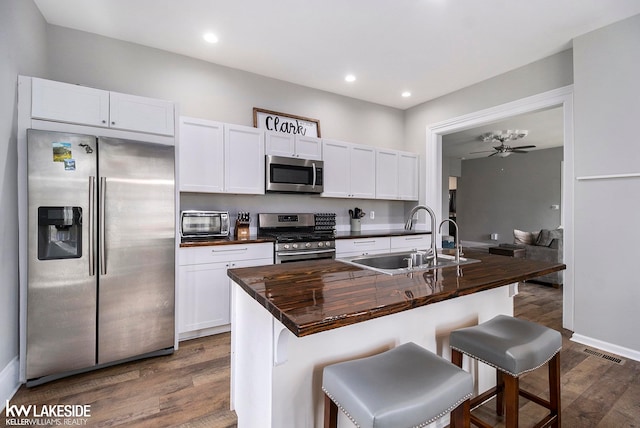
(313, 296)
(224, 241)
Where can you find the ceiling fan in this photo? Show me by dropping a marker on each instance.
(504, 150)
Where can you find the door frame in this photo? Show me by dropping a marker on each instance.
(560, 97)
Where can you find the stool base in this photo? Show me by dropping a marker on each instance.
(507, 392)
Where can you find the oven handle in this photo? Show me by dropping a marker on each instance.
(304, 253)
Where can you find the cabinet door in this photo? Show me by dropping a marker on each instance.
(201, 153)
(279, 144)
(203, 296)
(244, 159)
(142, 114)
(336, 169)
(363, 172)
(362, 246)
(410, 242)
(408, 176)
(386, 174)
(69, 103)
(308, 147)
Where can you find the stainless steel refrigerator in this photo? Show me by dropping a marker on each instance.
(101, 252)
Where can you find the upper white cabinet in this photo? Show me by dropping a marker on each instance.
(65, 102)
(349, 170)
(220, 158)
(293, 146)
(396, 175)
(243, 159)
(201, 150)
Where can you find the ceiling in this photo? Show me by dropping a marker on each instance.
(545, 128)
(427, 47)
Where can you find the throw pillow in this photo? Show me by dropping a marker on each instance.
(547, 236)
(525, 238)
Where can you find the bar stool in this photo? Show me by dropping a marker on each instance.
(407, 386)
(514, 347)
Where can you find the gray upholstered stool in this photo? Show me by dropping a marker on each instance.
(513, 346)
(407, 386)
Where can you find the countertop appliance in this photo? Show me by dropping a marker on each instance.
(101, 252)
(293, 175)
(299, 236)
(196, 224)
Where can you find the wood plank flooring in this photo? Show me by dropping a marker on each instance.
(191, 387)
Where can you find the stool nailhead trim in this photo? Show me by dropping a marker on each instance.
(507, 371)
(422, 425)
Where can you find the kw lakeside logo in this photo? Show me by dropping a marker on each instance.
(47, 415)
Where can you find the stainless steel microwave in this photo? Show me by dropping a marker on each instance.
(293, 175)
(204, 224)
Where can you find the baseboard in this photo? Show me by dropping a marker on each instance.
(607, 347)
(204, 332)
(9, 382)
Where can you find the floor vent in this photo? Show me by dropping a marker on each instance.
(604, 356)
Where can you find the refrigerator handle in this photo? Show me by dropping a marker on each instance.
(103, 257)
(92, 225)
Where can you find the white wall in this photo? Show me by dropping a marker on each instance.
(22, 51)
(607, 231)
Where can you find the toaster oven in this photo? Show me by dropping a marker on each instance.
(204, 224)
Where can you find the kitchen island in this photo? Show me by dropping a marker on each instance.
(291, 320)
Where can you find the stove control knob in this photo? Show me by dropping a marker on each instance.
(308, 245)
(327, 244)
(320, 244)
(286, 246)
(295, 245)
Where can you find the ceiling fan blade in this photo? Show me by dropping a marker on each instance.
(483, 151)
(518, 151)
(523, 147)
(493, 154)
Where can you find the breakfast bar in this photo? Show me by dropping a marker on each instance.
(291, 320)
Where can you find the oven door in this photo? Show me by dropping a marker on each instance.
(297, 256)
(292, 175)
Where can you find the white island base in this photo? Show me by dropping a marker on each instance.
(276, 377)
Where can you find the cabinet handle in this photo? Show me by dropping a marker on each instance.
(113, 123)
(104, 121)
(230, 251)
(364, 242)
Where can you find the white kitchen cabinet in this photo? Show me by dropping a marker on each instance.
(362, 246)
(410, 242)
(349, 170)
(292, 146)
(396, 175)
(201, 156)
(243, 159)
(64, 102)
(204, 299)
(408, 176)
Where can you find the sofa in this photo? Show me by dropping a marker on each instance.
(545, 245)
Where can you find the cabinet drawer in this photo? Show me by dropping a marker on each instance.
(222, 253)
(362, 245)
(410, 242)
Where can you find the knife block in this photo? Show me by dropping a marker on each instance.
(242, 230)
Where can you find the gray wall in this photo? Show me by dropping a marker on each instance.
(607, 232)
(22, 51)
(497, 195)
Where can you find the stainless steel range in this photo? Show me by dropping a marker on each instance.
(301, 236)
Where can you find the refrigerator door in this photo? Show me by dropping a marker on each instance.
(137, 249)
(61, 291)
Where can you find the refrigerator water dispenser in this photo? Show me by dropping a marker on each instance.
(59, 233)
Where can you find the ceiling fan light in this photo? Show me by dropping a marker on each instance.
(503, 154)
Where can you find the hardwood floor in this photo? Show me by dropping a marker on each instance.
(191, 387)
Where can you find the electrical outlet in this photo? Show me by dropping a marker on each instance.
(372, 215)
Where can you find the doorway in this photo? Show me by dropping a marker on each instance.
(561, 97)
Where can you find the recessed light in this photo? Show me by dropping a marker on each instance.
(210, 37)
(406, 94)
(350, 78)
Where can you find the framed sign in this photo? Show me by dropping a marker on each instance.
(287, 123)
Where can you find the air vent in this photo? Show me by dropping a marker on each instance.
(607, 357)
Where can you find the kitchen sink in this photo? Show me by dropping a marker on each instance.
(397, 263)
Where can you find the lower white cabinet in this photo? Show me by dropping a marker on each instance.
(204, 299)
(381, 245)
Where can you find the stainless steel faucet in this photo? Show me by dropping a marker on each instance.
(457, 244)
(409, 225)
